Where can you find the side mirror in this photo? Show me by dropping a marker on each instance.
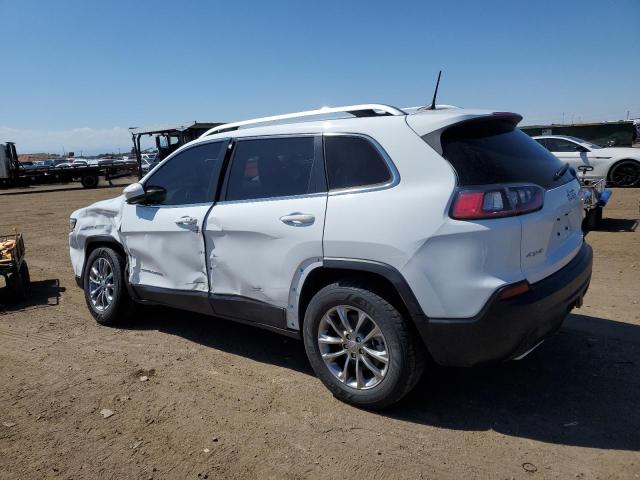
(136, 194)
(155, 195)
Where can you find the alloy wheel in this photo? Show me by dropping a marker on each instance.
(353, 347)
(101, 287)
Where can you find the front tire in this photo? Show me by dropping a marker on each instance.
(360, 346)
(105, 290)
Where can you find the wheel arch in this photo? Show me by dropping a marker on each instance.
(381, 278)
(97, 241)
(618, 162)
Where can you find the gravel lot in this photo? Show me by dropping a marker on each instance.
(224, 400)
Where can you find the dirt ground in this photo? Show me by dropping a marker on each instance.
(224, 400)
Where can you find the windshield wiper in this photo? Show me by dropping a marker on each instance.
(561, 171)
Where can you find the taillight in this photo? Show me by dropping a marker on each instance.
(496, 201)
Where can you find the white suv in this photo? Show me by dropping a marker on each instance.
(382, 240)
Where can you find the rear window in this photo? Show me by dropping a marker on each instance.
(491, 151)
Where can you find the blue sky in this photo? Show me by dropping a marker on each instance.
(77, 73)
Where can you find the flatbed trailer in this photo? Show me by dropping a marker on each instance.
(13, 174)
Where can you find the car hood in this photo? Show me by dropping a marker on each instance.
(108, 208)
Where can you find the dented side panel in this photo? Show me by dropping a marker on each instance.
(100, 219)
(254, 254)
(163, 250)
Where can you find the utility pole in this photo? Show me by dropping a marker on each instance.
(563, 118)
(627, 114)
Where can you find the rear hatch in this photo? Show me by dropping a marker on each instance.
(491, 151)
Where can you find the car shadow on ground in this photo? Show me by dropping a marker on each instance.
(251, 342)
(581, 387)
(43, 293)
(617, 225)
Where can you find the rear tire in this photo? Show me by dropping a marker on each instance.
(105, 290)
(593, 218)
(90, 181)
(625, 173)
(404, 353)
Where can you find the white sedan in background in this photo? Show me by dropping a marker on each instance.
(619, 165)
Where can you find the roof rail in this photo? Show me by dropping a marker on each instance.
(364, 110)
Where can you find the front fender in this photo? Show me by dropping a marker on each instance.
(99, 222)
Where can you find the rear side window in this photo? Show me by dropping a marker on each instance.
(484, 152)
(353, 162)
(274, 167)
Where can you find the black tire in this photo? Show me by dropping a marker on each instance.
(592, 219)
(625, 173)
(90, 181)
(19, 283)
(598, 217)
(121, 308)
(405, 350)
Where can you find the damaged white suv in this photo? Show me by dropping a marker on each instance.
(381, 239)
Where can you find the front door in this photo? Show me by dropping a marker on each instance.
(164, 242)
(568, 152)
(267, 225)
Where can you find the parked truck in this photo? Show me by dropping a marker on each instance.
(15, 174)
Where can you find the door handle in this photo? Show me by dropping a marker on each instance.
(187, 221)
(298, 219)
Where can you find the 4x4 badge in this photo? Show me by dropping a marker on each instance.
(571, 194)
(534, 253)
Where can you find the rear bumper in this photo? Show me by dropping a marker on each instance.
(506, 329)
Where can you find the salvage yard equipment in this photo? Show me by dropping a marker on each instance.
(168, 138)
(14, 174)
(594, 196)
(13, 266)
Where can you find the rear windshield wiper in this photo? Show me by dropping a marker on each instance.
(561, 171)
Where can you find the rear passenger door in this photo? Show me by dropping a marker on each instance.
(267, 225)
